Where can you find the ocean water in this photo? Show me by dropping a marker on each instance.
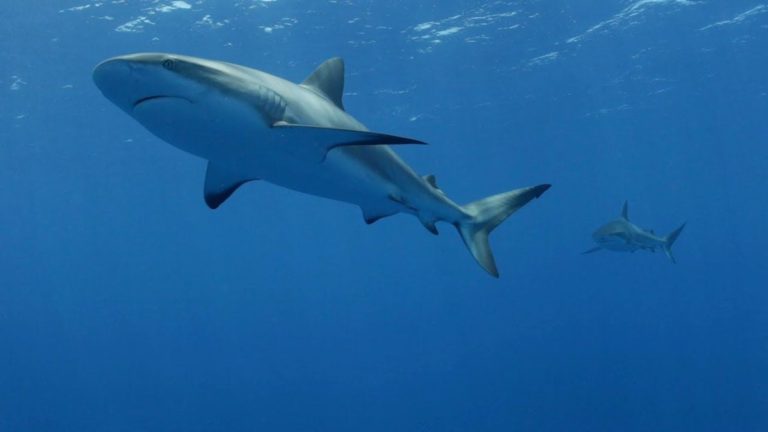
(127, 305)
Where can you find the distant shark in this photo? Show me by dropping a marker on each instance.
(624, 236)
(251, 125)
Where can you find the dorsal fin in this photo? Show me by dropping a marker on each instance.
(328, 79)
(624, 211)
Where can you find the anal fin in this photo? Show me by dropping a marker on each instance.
(429, 222)
(430, 226)
(221, 183)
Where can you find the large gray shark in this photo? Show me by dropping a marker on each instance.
(624, 236)
(251, 125)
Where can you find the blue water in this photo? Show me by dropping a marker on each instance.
(127, 305)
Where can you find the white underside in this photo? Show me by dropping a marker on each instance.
(234, 137)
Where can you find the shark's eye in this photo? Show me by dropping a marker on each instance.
(169, 64)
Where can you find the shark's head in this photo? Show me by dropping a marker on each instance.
(132, 80)
(187, 101)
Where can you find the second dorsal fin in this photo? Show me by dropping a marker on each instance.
(328, 79)
(432, 180)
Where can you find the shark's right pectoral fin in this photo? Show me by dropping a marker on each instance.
(594, 249)
(314, 143)
(221, 183)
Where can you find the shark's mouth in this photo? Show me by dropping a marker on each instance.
(157, 97)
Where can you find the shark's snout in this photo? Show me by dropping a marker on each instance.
(117, 81)
(128, 81)
(106, 73)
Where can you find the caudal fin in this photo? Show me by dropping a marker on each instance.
(487, 214)
(669, 240)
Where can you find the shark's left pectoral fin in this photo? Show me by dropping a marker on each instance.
(372, 214)
(221, 183)
(314, 143)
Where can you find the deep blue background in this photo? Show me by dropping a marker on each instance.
(127, 305)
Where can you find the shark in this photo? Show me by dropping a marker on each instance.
(621, 235)
(250, 125)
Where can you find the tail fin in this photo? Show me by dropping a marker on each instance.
(669, 240)
(487, 214)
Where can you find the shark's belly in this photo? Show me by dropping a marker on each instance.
(617, 246)
(371, 177)
(362, 176)
(615, 242)
(232, 137)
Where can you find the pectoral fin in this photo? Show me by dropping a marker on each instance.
(314, 143)
(594, 249)
(220, 184)
(371, 215)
